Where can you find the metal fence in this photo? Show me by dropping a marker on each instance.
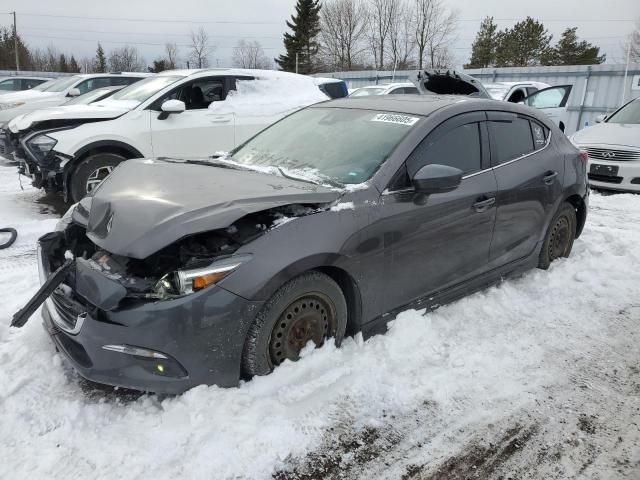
(596, 89)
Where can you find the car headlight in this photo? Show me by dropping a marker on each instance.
(41, 145)
(6, 106)
(185, 282)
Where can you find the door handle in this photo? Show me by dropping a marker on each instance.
(484, 204)
(220, 120)
(550, 177)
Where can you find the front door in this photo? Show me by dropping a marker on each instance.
(198, 131)
(553, 102)
(529, 173)
(438, 241)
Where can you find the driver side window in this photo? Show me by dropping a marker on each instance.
(198, 94)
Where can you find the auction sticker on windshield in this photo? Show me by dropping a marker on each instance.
(395, 118)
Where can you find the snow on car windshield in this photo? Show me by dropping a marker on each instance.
(497, 91)
(345, 145)
(270, 94)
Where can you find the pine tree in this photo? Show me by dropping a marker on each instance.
(569, 51)
(62, 64)
(305, 27)
(524, 45)
(483, 50)
(73, 65)
(101, 61)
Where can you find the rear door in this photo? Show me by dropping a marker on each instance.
(553, 102)
(441, 240)
(529, 173)
(198, 131)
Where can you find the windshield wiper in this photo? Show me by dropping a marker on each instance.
(291, 177)
(206, 163)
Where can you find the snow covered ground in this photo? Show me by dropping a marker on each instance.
(538, 377)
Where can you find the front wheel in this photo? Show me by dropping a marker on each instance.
(90, 173)
(558, 241)
(309, 308)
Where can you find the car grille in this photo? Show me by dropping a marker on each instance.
(67, 308)
(612, 155)
(604, 178)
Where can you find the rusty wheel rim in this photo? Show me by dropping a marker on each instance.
(311, 317)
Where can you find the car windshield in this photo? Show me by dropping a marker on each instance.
(91, 96)
(497, 91)
(144, 89)
(63, 84)
(364, 92)
(630, 113)
(45, 85)
(344, 145)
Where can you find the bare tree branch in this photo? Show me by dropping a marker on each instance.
(380, 18)
(126, 59)
(200, 48)
(343, 24)
(171, 51)
(434, 27)
(250, 55)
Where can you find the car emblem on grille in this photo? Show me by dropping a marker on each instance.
(608, 154)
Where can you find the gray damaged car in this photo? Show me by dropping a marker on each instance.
(175, 273)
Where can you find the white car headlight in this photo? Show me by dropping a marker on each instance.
(41, 145)
(5, 106)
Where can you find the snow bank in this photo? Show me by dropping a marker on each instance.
(478, 360)
(273, 93)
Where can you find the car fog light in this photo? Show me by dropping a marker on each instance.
(135, 351)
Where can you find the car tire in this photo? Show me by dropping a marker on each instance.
(561, 233)
(90, 172)
(309, 307)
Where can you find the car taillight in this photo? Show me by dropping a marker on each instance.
(584, 156)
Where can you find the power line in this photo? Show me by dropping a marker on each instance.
(149, 20)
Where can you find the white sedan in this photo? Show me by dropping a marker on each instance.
(514, 92)
(614, 149)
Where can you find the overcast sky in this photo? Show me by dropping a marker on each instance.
(148, 24)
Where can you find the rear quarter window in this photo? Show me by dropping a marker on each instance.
(511, 139)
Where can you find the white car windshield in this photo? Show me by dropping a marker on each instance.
(497, 91)
(630, 113)
(62, 84)
(45, 85)
(365, 92)
(145, 89)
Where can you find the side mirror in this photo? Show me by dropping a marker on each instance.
(171, 106)
(437, 179)
(74, 92)
(601, 118)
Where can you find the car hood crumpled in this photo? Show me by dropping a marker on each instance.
(71, 112)
(146, 205)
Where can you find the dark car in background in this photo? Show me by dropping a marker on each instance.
(325, 224)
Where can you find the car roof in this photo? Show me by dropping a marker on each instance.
(25, 77)
(111, 74)
(425, 105)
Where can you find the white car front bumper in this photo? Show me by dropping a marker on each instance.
(615, 175)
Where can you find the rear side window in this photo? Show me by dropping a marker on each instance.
(540, 134)
(511, 140)
(459, 148)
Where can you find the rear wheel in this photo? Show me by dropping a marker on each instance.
(90, 173)
(310, 307)
(560, 236)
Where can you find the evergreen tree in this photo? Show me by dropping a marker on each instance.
(569, 51)
(524, 45)
(483, 50)
(62, 64)
(305, 27)
(73, 65)
(159, 65)
(101, 60)
(7, 51)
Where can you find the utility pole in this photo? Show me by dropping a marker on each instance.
(626, 74)
(296, 62)
(15, 41)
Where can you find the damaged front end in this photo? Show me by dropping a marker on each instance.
(77, 276)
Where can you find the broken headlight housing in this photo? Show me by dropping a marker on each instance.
(41, 145)
(187, 281)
